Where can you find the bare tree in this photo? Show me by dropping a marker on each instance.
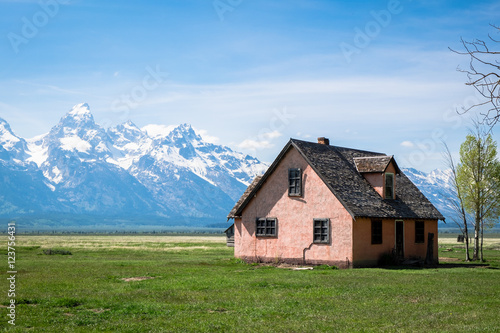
(461, 218)
(484, 75)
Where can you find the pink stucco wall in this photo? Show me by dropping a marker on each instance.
(295, 220)
(376, 180)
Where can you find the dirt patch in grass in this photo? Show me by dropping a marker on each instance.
(138, 278)
(148, 242)
(446, 259)
(218, 310)
(445, 262)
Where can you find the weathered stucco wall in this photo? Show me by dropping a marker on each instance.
(419, 250)
(367, 254)
(377, 180)
(294, 241)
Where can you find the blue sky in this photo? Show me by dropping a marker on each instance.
(250, 74)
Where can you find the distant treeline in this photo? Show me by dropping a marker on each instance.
(94, 224)
(180, 232)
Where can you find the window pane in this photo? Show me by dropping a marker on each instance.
(419, 232)
(266, 227)
(321, 230)
(294, 181)
(389, 186)
(376, 232)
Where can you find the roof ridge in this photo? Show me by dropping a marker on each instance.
(336, 166)
(342, 147)
(383, 156)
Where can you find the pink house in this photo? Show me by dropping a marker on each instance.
(322, 204)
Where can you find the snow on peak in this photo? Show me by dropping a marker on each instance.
(184, 128)
(79, 114)
(185, 132)
(158, 131)
(7, 138)
(130, 125)
(81, 109)
(171, 131)
(126, 128)
(4, 123)
(5, 127)
(74, 143)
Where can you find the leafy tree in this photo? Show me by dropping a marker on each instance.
(484, 75)
(478, 179)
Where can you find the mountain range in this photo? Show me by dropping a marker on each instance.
(80, 174)
(159, 174)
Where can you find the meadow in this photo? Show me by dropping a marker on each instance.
(156, 283)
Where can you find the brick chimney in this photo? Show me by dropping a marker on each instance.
(324, 141)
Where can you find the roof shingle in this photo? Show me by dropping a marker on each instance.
(372, 164)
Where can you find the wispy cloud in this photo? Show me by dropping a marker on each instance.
(255, 145)
(207, 137)
(407, 144)
(49, 89)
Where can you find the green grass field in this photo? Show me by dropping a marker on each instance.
(193, 284)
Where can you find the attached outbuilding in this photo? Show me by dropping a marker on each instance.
(230, 236)
(323, 204)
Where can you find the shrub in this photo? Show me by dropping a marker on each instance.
(26, 301)
(324, 267)
(67, 302)
(388, 259)
(50, 252)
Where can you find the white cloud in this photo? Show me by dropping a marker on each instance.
(407, 144)
(271, 135)
(206, 137)
(303, 135)
(255, 145)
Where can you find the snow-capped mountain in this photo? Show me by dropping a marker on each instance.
(163, 171)
(436, 186)
(12, 147)
(24, 189)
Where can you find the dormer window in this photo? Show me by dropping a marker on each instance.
(294, 182)
(389, 186)
(380, 172)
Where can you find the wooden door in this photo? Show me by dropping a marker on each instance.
(400, 239)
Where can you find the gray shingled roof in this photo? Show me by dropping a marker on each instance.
(337, 168)
(374, 163)
(244, 197)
